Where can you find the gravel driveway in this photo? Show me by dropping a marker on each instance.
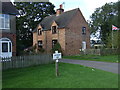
(106, 66)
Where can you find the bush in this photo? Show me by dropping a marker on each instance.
(32, 50)
(57, 47)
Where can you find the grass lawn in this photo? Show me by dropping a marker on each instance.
(71, 76)
(109, 58)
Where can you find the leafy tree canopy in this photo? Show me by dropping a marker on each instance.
(103, 18)
(31, 13)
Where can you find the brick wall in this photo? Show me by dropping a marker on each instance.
(74, 35)
(12, 37)
(70, 38)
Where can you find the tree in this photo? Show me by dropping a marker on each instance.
(31, 13)
(112, 39)
(102, 20)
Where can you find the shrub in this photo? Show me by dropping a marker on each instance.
(57, 47)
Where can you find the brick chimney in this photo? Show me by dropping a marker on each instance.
(59, 11)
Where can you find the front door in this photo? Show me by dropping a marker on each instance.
(83, 45)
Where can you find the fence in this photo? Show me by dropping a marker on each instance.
(25, 61)
(101, 51)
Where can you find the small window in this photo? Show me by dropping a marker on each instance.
(4, 21)
(53, 43)
(54, 29)
(9, 46)
(39, 32)
(4, 47)
(83, 30)
(40, 45)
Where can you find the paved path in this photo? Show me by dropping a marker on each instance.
(106, 66)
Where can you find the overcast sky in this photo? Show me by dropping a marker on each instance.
(87, 7)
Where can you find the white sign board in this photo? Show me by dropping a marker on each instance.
(56, 55)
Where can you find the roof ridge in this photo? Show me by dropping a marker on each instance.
(62, 20)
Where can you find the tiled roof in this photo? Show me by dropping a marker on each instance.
(8, 8)
(62, 20)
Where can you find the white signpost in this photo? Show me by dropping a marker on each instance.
(56, 56)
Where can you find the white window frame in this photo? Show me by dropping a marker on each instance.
(5, 21)
(9, 51)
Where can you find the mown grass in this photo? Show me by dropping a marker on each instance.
(71, 76)
(108, 58)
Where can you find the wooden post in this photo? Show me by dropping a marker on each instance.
(56, 67)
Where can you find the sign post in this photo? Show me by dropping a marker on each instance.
(56, 57)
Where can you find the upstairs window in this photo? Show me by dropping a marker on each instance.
(53, 43)
(4, 21)
(83, 30)
(40, 44)
(54, 29)
(39, 32)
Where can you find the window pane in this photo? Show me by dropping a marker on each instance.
(4, 47)
(40, 44)
(1, 23)
(54, 30)
(7, 25)
(7, 21)
(39, 32)
(54, 42)
(9, 47)
(83, 30)
(0, 15)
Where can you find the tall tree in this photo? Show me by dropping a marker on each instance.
(103, 18)
(31, 13)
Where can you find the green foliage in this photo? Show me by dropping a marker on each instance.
(112, 39)
(57, 47)
(41, 50)
(31, 14)
(106, 58)
(33, 50)
(103, 18)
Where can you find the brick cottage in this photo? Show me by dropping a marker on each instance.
(7, 29)
(68, 28)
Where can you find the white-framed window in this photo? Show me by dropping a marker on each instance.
(5, 47)
(4, 21)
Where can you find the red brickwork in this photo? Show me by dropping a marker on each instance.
(70, 37)
(12, 37)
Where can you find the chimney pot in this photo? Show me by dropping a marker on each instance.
(59, 11)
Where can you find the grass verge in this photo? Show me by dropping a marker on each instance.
(109, 58)
(71, 76)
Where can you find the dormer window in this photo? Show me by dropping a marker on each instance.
(83, 30)
(54, 29)
(4, 21)
(39, 31)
